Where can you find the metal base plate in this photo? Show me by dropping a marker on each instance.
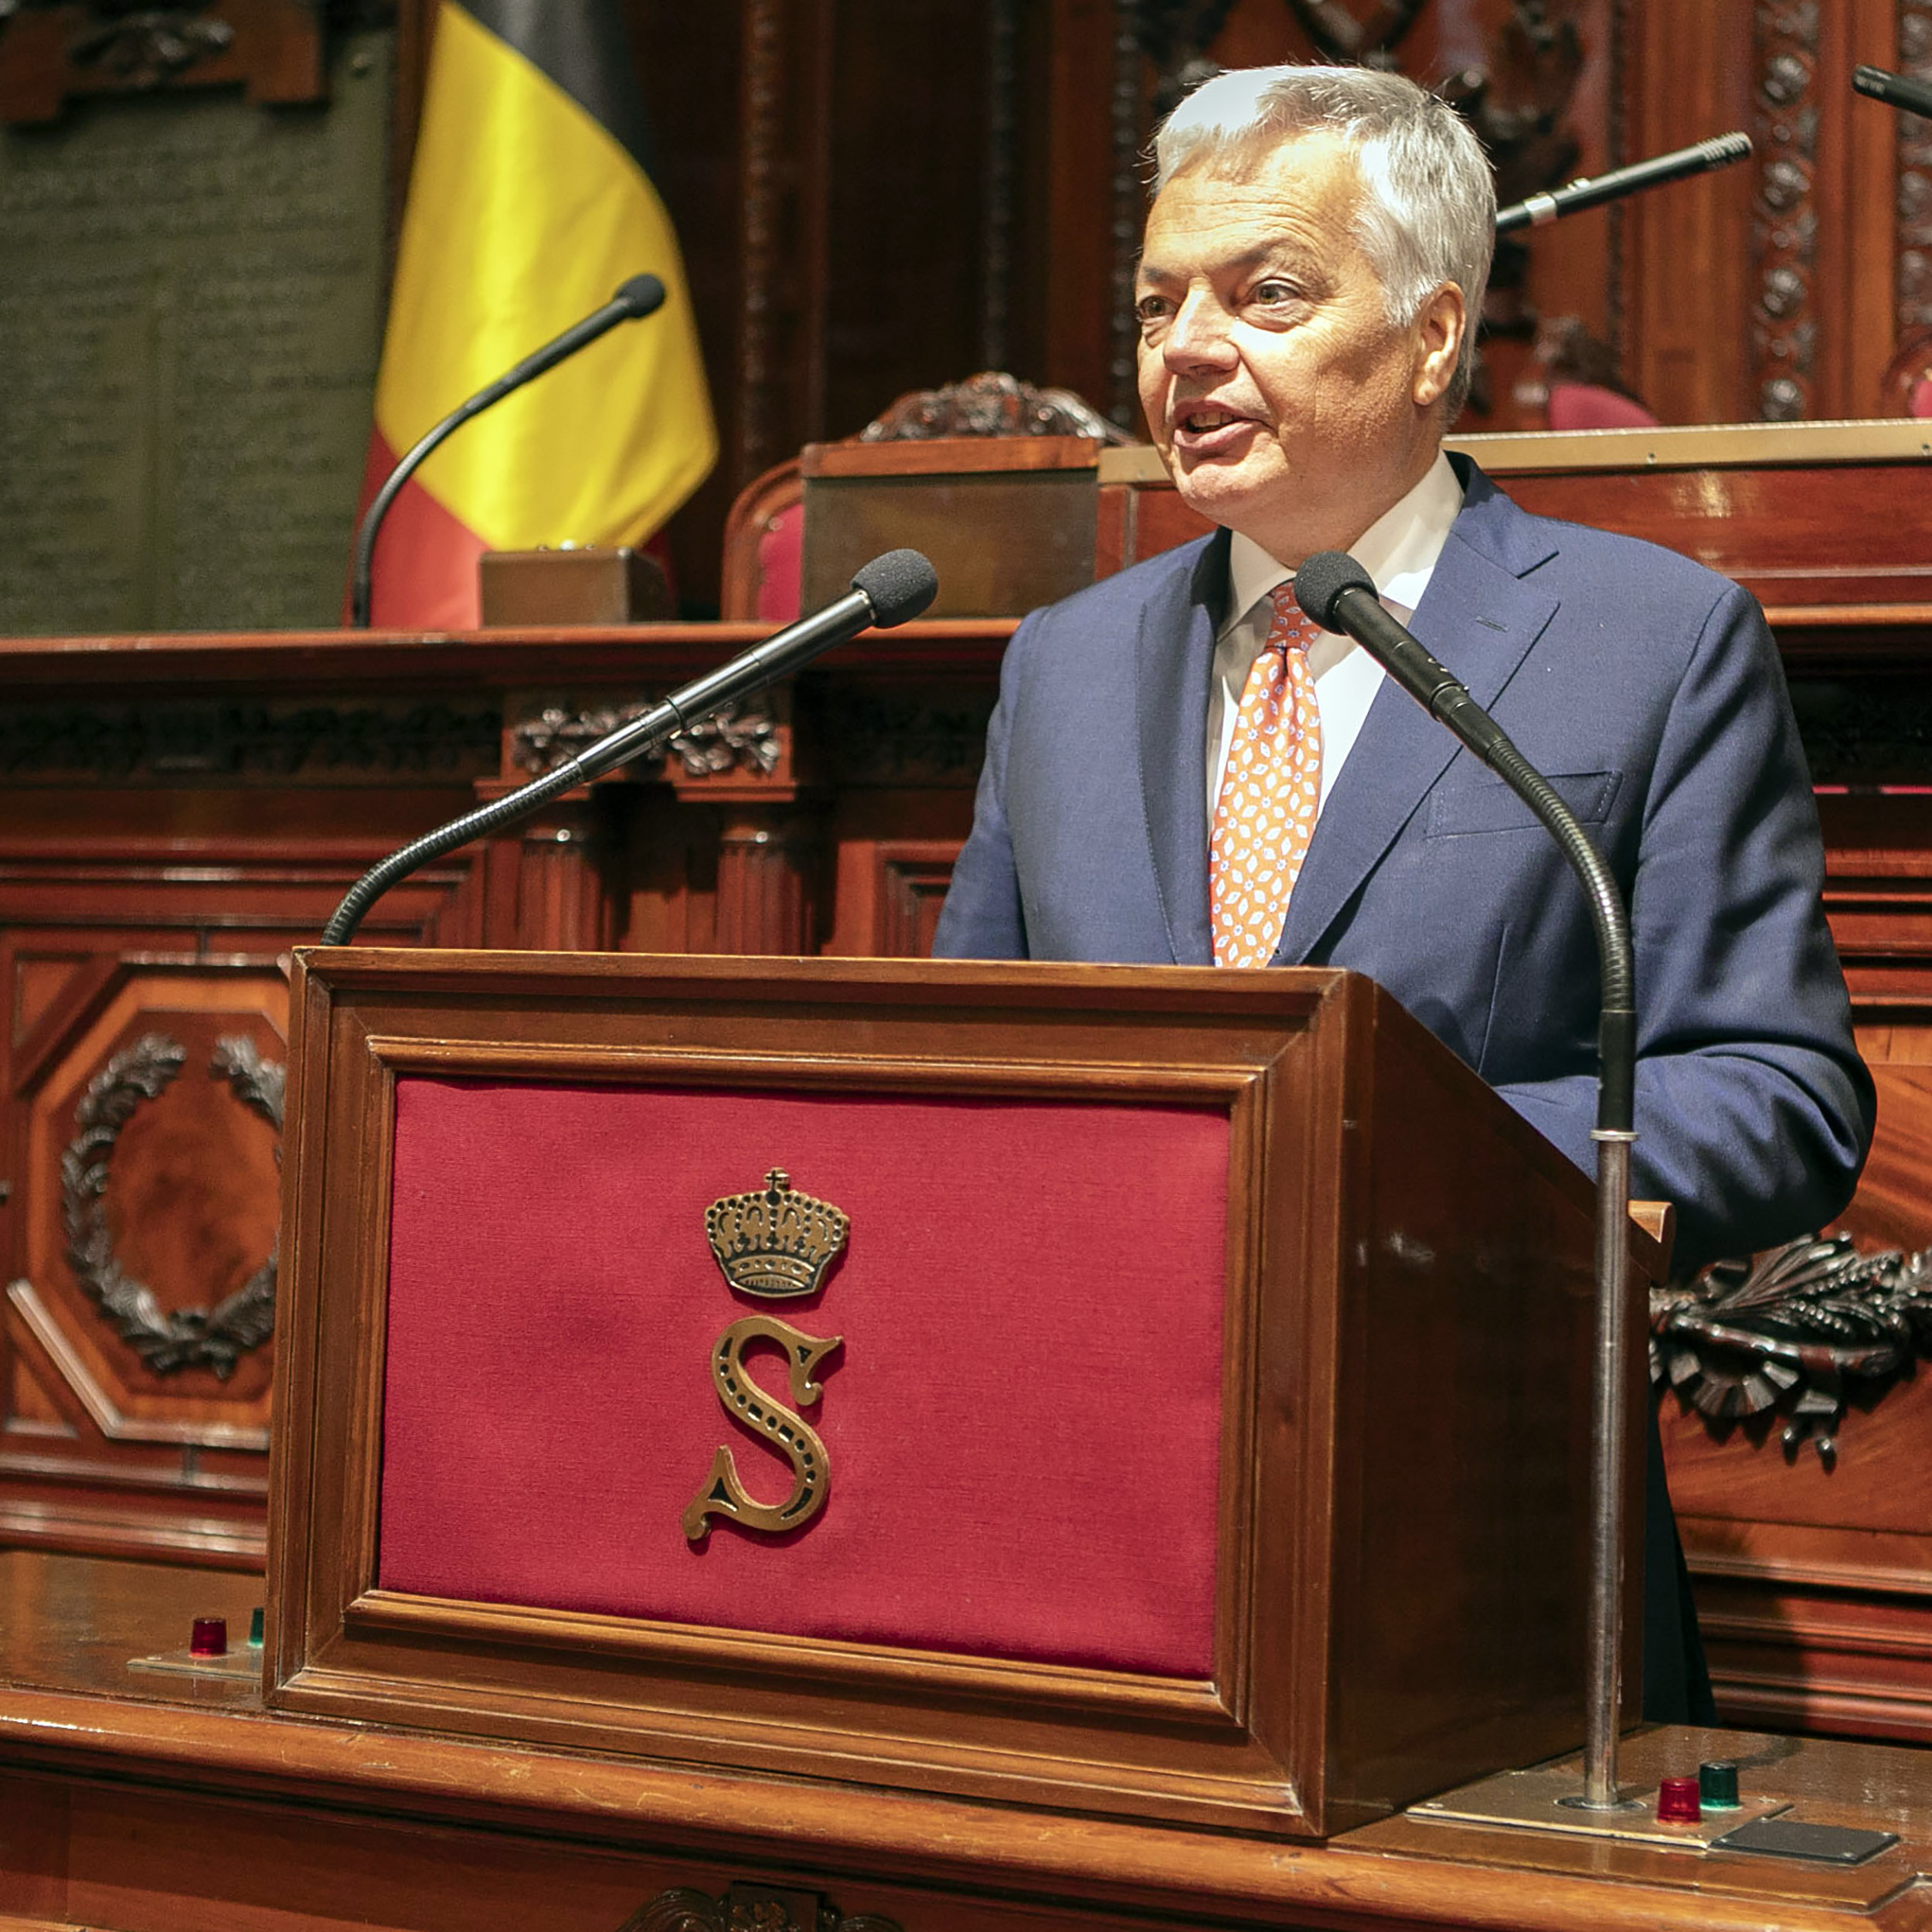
(245, 1662)
(1533, 1800)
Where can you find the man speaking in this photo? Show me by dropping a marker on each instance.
(1183, 769)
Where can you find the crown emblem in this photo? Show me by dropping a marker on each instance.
(776, 1243)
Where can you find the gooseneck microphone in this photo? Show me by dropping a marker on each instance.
(1914, 96)
(641, 295)
(887, 591)
(1720, 151)
(1334, 590)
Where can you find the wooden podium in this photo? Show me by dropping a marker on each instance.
(1202, 1459)
(1206, 1446)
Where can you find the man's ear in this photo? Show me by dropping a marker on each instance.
(1438, 333)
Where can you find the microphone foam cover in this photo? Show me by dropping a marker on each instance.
(1323, 579)
(641, 295)
(898, 586)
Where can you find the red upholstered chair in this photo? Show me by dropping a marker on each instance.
(763, 540)
(1588, 406)
(1906, 387)
(1571, 382)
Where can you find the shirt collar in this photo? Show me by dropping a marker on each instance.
(1398, 549)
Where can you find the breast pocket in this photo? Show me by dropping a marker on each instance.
(1483, 802)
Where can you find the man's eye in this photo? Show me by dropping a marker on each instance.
(1153, 309)
(1273, 294)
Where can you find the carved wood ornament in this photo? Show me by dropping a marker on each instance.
(751, 1908)
(1784, 219)
(991, 403)
(1789, 1331)
(1914, 245)
(216, 1338)
(51, 50)
(1344, 39)
(745, 736)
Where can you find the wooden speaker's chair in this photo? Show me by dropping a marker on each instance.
(763, 541)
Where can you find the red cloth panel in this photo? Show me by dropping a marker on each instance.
(1022, 1426)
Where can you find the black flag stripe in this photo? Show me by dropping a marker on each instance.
(584, 47)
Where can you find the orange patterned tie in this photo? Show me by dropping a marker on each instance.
(1270, 792)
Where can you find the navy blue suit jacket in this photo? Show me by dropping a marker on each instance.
(1649, 691)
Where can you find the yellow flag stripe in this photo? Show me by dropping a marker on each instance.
(523, 215)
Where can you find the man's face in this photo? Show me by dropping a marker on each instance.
(1286, 404)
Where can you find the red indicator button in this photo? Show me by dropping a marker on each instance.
(1677, 1801)
(210, 1639)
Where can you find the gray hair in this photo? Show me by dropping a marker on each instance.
(1429, 215)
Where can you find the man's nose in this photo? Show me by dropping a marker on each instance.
(1199, 334)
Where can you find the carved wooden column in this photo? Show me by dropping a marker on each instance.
(563, 889)
(729, 862)
(1913, 242)
(1784, 331)
(770, 837)
(546, 880)
(767, 866)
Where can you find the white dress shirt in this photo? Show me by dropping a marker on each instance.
(1399, 550)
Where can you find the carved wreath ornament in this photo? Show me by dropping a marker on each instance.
(215, 1338)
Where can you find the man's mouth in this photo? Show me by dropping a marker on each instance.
(1199, 417)
(1206, 429)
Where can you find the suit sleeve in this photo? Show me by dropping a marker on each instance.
(1753, 1110)
(982, 917)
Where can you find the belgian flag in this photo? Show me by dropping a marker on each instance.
(529, 200)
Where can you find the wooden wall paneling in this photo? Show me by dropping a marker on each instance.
(1814, 1573)
(671, 877)
(1689, 248)
(138, 901)
(1912, 241)
(142, 1103)
(784, 114)
(1824, 323)
(33, 1842)
(690, 64)
(1858, 158)
(906, 201)
(1078, 270)
(894, 888)
(1764, 292)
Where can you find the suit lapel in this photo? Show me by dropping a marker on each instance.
(1480, 618)
(1174, 664)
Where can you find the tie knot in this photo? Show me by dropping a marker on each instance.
(1290, 628)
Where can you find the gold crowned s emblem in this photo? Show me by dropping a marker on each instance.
(776, 1243)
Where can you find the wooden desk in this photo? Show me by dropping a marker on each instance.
(177, 812)
(149, 1804)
